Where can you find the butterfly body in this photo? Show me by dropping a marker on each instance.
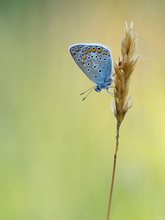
(95, 60)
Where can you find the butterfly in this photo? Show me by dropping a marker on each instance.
(95, 60)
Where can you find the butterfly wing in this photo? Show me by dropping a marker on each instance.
(94, 60)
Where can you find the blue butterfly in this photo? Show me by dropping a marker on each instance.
(95, 60)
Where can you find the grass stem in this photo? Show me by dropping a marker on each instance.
(114, 170)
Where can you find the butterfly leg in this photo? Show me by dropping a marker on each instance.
(111, 93)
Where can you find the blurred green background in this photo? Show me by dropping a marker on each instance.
(56, 152)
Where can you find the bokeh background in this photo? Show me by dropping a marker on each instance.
(56, 152)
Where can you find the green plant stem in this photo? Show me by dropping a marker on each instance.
(113, 171)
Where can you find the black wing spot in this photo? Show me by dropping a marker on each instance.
(88, 64)
(88, 70)
(78, 60)
(99, 71)
(94, 66)
(100, 58)
(95, 76)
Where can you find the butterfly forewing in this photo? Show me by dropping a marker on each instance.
(94, 60)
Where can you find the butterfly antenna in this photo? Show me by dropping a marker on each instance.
(87, 90)
(90, 90)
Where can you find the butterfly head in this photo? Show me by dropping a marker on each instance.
(98, 88)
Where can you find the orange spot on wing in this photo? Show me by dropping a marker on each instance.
(94, 49)
(99, 49)
(105, 53)
(84, 57)
(89, 50)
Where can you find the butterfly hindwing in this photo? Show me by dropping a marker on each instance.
(94, 60)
